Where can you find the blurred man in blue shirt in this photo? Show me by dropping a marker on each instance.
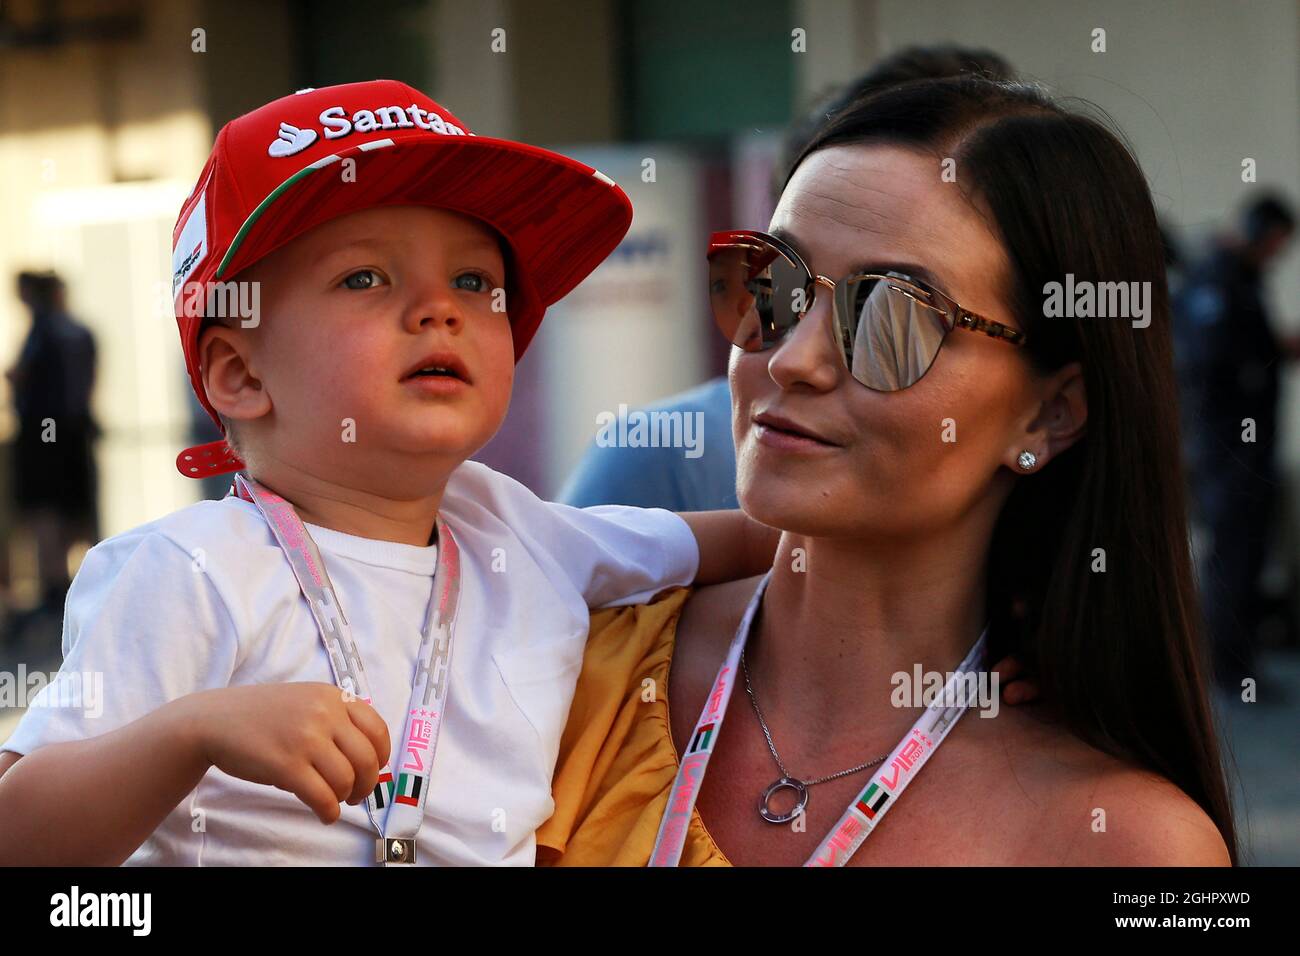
(665, 477)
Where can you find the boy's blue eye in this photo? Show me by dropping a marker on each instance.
(471, 282)
(362, 279)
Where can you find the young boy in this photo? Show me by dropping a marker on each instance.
(401, 265)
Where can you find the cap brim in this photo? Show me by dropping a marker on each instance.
(561, 217)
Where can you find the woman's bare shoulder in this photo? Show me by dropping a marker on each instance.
(1152, 823)
(708, 621)
(711, 615)
(1089, 808)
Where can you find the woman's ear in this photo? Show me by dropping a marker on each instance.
(1059, 420)
(225, 357)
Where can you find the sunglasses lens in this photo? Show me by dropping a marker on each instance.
(889, 331)
(753, 290)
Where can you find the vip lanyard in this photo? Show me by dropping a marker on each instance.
(865, 812)
(405, 798)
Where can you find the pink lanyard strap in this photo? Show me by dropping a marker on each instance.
(405, 797)
(864, 813)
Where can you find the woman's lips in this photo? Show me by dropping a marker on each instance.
(788, 441)
(783, 434)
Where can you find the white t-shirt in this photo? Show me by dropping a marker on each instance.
(205, 598)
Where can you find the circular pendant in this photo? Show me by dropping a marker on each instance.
(785, 783)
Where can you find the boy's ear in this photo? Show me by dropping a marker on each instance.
(225, 356)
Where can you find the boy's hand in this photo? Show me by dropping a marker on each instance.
(303, 738)
(1016, 688)
(732, 545)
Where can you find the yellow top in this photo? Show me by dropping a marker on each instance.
(617, 759)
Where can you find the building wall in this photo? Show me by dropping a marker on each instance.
(100, 141)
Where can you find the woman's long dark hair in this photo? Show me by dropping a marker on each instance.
(1117, 653)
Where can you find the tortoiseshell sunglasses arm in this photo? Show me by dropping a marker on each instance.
(969, 320)
(965, 319)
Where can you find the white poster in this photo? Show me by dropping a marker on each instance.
(636, 330)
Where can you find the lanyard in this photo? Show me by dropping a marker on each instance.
(405, 798)
(870, 806)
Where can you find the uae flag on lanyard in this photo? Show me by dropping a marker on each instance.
(383, 789)
(873, 798)
(702, 738)
(408, 789)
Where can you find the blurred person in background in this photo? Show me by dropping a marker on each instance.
(1175, 258)
(1229, 364)
(55, 483)
(661, 477)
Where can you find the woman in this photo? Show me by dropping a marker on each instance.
(941, 451)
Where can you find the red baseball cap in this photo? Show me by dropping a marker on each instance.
(277, 172)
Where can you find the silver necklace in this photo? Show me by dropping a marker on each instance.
(787, 781)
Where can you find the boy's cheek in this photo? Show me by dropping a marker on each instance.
(496, 389)
(497, 373)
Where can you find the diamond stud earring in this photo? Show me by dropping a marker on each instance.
(1027, 461)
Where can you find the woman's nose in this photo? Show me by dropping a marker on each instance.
(807, 354)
